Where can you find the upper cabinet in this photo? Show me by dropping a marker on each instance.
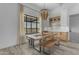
(54, 21)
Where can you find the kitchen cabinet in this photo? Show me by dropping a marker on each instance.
(54, 21)
(64, 36)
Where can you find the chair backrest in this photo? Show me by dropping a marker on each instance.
(48, 37)
(49, 40)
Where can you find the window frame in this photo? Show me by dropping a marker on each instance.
(36, 19)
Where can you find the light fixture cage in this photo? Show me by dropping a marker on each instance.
(44, 14)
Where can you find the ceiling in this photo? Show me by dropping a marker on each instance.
(39, 6)
(49, 6)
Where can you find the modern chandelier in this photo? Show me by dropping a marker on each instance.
(44, 14)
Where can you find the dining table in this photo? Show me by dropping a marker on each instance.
(34, 37)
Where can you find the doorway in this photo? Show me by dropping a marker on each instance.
(74, 28)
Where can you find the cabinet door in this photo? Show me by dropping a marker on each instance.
(64, 36)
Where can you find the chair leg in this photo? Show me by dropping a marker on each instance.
(43, 49)
(32, 43)
(40, 48)
(29, 41)
(47, 53)
(49, 50)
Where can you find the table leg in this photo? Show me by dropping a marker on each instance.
(33, 43)
(29, 41)
(40, 46)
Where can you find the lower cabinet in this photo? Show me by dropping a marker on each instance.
(62, 36)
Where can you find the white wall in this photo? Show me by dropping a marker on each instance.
(74, 10)
(8, 24)
(55, 12)
(64, 19)
(63, 13)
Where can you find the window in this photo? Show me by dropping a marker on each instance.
(31, 23)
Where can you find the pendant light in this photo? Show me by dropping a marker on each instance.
(44, 13)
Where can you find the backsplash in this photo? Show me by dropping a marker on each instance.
(57, 29)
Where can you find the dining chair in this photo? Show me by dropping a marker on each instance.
(48, 42)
